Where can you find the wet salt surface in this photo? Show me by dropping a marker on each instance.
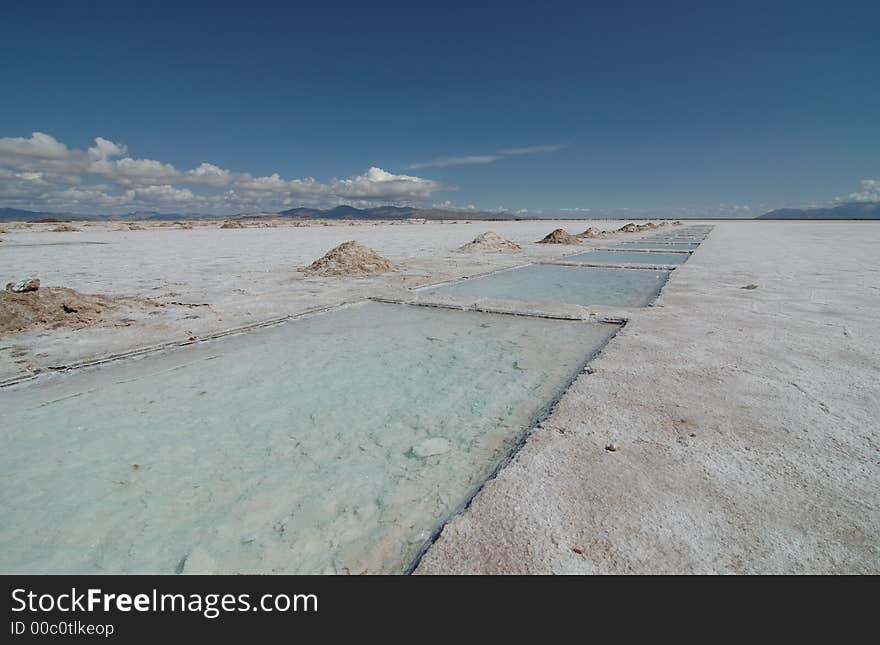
(335, 443)
(564, 284)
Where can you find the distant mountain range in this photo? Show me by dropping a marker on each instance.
(9, 214)
(340, 212)
(851, 210)
(18, 214)
(390, 212)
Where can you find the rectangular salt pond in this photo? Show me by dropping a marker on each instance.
(690, 239)
(628, 257)
(564, 284)
(334, 443)
(668, 241)
(659, 246)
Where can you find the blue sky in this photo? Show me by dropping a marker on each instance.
(665, 106)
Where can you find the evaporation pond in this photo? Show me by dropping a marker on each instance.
(564, 284)
(677, 240)
(333, 443)
(627, 257)
(659, 246)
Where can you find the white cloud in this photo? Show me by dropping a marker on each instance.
(42, 173)
(870, 191)
(378, 184)
(128, 171)
(442, 162)
(43, 154)
(207, 174)
(38, 146)
(532, 150)
(104, 149)
(272, 183)
(164, 194)
(87, 197)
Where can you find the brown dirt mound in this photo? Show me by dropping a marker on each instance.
(232, 224)
(348, 259)
(560, 236)
(490, 242)
(135, 227)
(51, 307)
(65, 228)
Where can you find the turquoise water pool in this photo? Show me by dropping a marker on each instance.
(564, 284)
(659, 246)
(626, 257)
(336, 443)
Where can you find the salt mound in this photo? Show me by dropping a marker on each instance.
(51, 307)
(590, 233)
(350, 258)
(232, 223)
(635, 228)
(490, 242)
(65, 228)
(560, 236)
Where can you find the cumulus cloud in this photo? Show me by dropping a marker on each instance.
(41, 172)
(128, 171)
(42, 153)
(442, 162)
(104, 149)
(378, 184)
(37, 146)
(870, 191)
(162, 194)
(207, 174)
(272, 183)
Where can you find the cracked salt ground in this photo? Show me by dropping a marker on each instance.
(336, 443)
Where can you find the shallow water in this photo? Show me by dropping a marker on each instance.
(660, 246)
(304, 447)
(565, 284)
(691, 239)
(625, 257)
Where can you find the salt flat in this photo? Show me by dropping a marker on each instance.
(746, 425)
(233, 277)
(745, 421)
